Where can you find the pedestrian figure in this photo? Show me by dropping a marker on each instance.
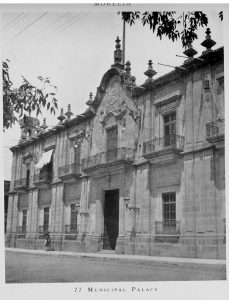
(48, 243)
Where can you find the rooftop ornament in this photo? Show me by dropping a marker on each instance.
(208, 43)
(190, 52)
(128, 81)
(68, 114)
(128, 68)
(89, 102)
(38, 128)
(150, 72)
(133, 78)
(118, 55)
(44, 125)
(61, 116)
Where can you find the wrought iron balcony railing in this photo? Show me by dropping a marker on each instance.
(167, 227)
(123, 153)
(21, 183)
(71, 229)
(21, 229)
(215, 129)
(43, 229)
(172, 141)
(42, 177)
(69, 169)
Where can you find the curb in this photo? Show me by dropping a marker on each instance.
(148, 260)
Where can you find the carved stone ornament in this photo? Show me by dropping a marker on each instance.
(89, 135)
(102, 116)
(114, 93)
(80, 134)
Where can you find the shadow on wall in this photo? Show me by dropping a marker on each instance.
(165, 175)
(218, 169)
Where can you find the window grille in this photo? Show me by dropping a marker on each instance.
(169, 209)
(170, 129)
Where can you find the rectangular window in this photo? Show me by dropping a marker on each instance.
(112, 143)
(46, 171)
(27, 174)
(77, 154)
(220, 86)
(74, 214)
(46, 219)
(24, 220)
(169, 210)
(170, 130)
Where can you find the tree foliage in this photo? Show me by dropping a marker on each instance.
(170, 23)
(26, 98)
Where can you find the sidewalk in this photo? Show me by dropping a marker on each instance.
(137, 258)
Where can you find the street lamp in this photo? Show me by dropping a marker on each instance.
(84, 213)
(127, 202)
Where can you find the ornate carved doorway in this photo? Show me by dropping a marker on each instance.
(111, 219)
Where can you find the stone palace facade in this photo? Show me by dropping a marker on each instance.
(141, 171)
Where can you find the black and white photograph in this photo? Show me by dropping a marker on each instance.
(113, 148)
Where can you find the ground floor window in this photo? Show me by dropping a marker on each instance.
(73, 220)
(168, 230)
(24, 220)
(46, 219)
(169, 210)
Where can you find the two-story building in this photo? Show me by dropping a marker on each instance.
(141, 171)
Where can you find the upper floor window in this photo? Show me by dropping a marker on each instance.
(27, 174)
(77, 151)
(45, 167)
(170, 129)
(112, 143)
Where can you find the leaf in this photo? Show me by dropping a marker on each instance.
(221, 15)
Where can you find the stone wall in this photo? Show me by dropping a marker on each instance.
(195, 173)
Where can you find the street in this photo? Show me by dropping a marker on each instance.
(28, 268)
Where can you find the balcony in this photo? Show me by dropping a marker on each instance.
(21, 184)
(69, 171)
(42, 178)
(172, 144)
(21, 232)
(71, 232)
(21, 229)
(110, 156)
(167, 231)
(215, 131)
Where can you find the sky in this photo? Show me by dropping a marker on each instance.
(75, 49)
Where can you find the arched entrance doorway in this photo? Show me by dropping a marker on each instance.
(111, 219)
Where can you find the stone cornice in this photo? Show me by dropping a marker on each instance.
(188, 66)
(209, 57)
(54, 130)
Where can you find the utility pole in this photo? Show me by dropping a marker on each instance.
(123, 41)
